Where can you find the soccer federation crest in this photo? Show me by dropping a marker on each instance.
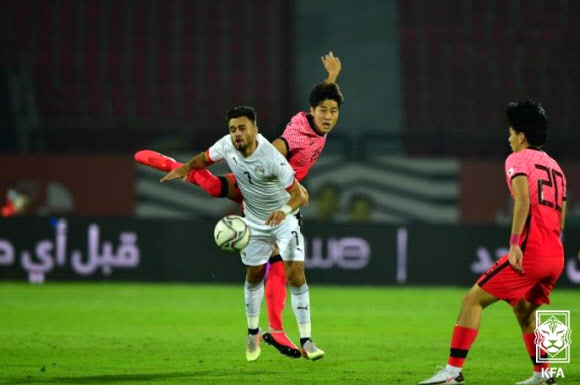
(260, 170)
(553, 336)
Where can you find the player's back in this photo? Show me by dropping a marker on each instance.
(547, 187)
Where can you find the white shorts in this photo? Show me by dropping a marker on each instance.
(264, 238)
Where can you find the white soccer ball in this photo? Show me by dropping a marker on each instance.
(231, 233)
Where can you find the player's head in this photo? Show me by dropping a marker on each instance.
(325, 102)
(528, 125)
(242, 126)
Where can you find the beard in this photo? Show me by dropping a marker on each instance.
(240, 146)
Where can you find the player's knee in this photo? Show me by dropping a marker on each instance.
(477, 297)
(524, 316)
(295, 277)
(294, 272)
(255, 274)
(253, 279)
(469, 299)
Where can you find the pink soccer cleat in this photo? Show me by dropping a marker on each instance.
(156, 160)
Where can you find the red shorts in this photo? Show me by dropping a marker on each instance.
(540, 275)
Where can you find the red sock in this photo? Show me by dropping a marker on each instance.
(239, 198)
(175, 165)
(210, 183)
(460, 344)
(276, 294)
(531, 348)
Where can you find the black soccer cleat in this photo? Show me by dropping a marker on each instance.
(280, 341)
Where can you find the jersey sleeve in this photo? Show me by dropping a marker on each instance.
(291, 136)
(217, 152)
(515, 165)
(282, 170)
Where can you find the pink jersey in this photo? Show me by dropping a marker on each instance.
(547, 185)
(303, 142)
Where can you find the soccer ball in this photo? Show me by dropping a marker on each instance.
(231, 233)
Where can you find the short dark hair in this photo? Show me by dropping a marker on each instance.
(239, 111)
(528, 117)
(325, 91)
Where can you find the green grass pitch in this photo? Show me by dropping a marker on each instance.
(120, 333)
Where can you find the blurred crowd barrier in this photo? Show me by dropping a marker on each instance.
(72, 184)
(102, 75)
(40, 249)
(376, 189)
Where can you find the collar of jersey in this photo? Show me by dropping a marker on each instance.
(312, 125)
(256, 150)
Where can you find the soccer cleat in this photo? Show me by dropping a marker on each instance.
(311, 351)
(253, 346)
(156, 160)
(280, 341)
(535, 380)
(444, 377)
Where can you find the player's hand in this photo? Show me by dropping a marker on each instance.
(179, 172)
(332, 65)
(275, 218)
(516, 258)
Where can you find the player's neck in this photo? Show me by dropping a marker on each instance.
(310, 119)
(525, 146)
(250, 149)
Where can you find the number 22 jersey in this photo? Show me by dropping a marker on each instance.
(547, 186)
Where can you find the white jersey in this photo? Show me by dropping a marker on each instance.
(262, 177)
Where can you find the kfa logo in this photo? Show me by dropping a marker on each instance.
(553, 336)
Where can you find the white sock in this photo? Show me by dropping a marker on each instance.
(301, 306)
(452, 369)
(254, 292)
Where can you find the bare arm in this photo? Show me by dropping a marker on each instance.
(298, 198)
(521, 210)
(281, 146)
(521, 203)
(332, 65)
(197, 162)
(563, 218)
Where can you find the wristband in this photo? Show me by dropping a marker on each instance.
(514, 239)
(286, 209)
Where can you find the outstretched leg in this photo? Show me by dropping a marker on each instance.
(465, 331)
(464, 334)
(215, 186)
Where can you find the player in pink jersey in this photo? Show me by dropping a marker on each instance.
(301, 143)
(526, 275)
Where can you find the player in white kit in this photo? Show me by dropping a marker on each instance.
(271, 195)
